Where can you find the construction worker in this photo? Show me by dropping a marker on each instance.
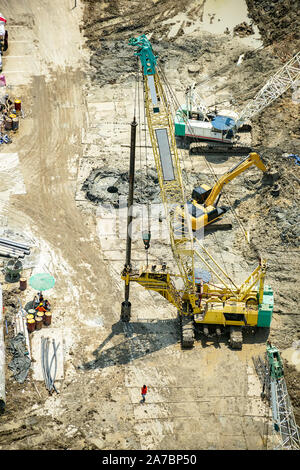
(143, 392)
(38, 299)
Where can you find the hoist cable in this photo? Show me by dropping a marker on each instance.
(146, 158)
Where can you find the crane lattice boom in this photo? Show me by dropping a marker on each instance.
(286, 77)
(162, 135)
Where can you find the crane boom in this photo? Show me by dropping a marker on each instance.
(270, 371)
(283, 79)
(162, 135)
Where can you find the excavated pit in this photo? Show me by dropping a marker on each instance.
(110, 187)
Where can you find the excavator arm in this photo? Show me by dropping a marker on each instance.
(252, 159)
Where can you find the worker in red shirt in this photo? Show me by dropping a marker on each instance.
(144, 391)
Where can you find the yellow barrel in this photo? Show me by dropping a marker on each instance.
(38, 322)
(30, 316)
(18, 105)
(31, 325)
(47, 318)
(32, 312)
(12, 116)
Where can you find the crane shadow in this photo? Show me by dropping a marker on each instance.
(139, 339)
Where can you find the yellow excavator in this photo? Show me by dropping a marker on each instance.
(203, 209)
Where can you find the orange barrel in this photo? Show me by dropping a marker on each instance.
(8, 124)
(15, 124)
(38, 322)
(31, 325)
(23, 283)
(47, 318)
(18, 106)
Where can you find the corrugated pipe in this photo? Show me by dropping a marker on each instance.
(2, 357)
(54, 357)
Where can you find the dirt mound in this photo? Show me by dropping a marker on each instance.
(278, 198)
(243, 30)
(276, 20)
(292, 378)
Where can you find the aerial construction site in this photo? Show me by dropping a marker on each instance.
(149, 225)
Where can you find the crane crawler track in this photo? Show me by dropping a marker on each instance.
(187, 333)
(199, 147)
(236, 337)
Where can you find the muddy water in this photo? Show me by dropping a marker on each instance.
(221, 14)
(213, 16)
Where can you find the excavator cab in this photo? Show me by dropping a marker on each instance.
(201, 193)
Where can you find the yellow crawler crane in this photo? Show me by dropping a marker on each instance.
(196, 299)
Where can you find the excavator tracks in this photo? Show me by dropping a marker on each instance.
(187, 332)
(197, 147)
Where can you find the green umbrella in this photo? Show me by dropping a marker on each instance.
(42, 281)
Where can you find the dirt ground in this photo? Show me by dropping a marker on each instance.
(76, 77)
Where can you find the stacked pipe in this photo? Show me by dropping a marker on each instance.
(20, 326)
(13, 249)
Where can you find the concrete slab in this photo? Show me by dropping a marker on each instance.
(51, 333)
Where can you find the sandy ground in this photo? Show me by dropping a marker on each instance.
(72, 125)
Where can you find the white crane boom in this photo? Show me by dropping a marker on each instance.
(286, 77)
